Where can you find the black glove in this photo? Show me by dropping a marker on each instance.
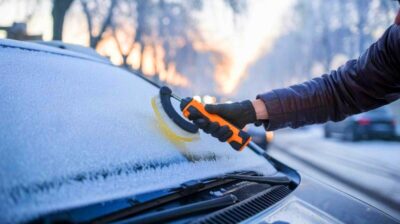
(239, 114)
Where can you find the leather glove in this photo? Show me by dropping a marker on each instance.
(239, 114)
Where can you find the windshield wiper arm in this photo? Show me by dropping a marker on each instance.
(173, 213)
(162, 216)
(185, 189)
(271, 180)
(191, 187)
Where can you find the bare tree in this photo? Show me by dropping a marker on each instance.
(98, 14)
(173, 26)
(161, 25)
(60, 8)
(123, 27)
(144, 10)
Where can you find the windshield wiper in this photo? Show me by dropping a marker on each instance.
(271, 180)
(173, 213)
(191, 187)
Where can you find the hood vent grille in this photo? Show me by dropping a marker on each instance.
(247, 208)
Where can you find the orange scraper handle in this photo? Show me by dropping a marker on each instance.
(239, 139)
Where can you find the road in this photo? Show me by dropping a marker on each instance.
(368, 170)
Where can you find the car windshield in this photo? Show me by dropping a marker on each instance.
(75, 131)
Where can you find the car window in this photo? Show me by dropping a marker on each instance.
(76, 131)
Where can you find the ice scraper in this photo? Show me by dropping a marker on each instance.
(179, 128)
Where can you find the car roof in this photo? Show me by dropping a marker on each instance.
(53, 47)
(74, 48)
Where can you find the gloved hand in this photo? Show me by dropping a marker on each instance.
(239, 114)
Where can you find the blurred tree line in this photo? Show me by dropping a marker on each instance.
(318, 36)
(166, 28)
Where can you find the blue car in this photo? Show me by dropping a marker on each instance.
(80, 144)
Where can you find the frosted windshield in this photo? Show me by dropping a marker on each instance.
(75, 131)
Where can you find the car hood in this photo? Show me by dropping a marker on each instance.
(316, 202)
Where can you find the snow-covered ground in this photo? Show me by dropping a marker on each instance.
(368, 170)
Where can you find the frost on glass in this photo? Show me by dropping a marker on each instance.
(74, 131)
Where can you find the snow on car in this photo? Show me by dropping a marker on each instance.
(76, 130)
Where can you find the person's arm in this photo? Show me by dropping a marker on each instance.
(370, 81)
(360, 85)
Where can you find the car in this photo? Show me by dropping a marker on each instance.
(375, 124)
(80, 144)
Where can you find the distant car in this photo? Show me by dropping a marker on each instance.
(80, 144)
(375, 124)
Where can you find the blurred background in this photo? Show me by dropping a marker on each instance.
(226, 50)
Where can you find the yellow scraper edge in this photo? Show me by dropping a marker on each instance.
(164, 126)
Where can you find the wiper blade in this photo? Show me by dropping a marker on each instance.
(271, 180)
(185, 189)
(191, 187)
(173, 213)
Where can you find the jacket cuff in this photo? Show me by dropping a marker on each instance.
(276, 117)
